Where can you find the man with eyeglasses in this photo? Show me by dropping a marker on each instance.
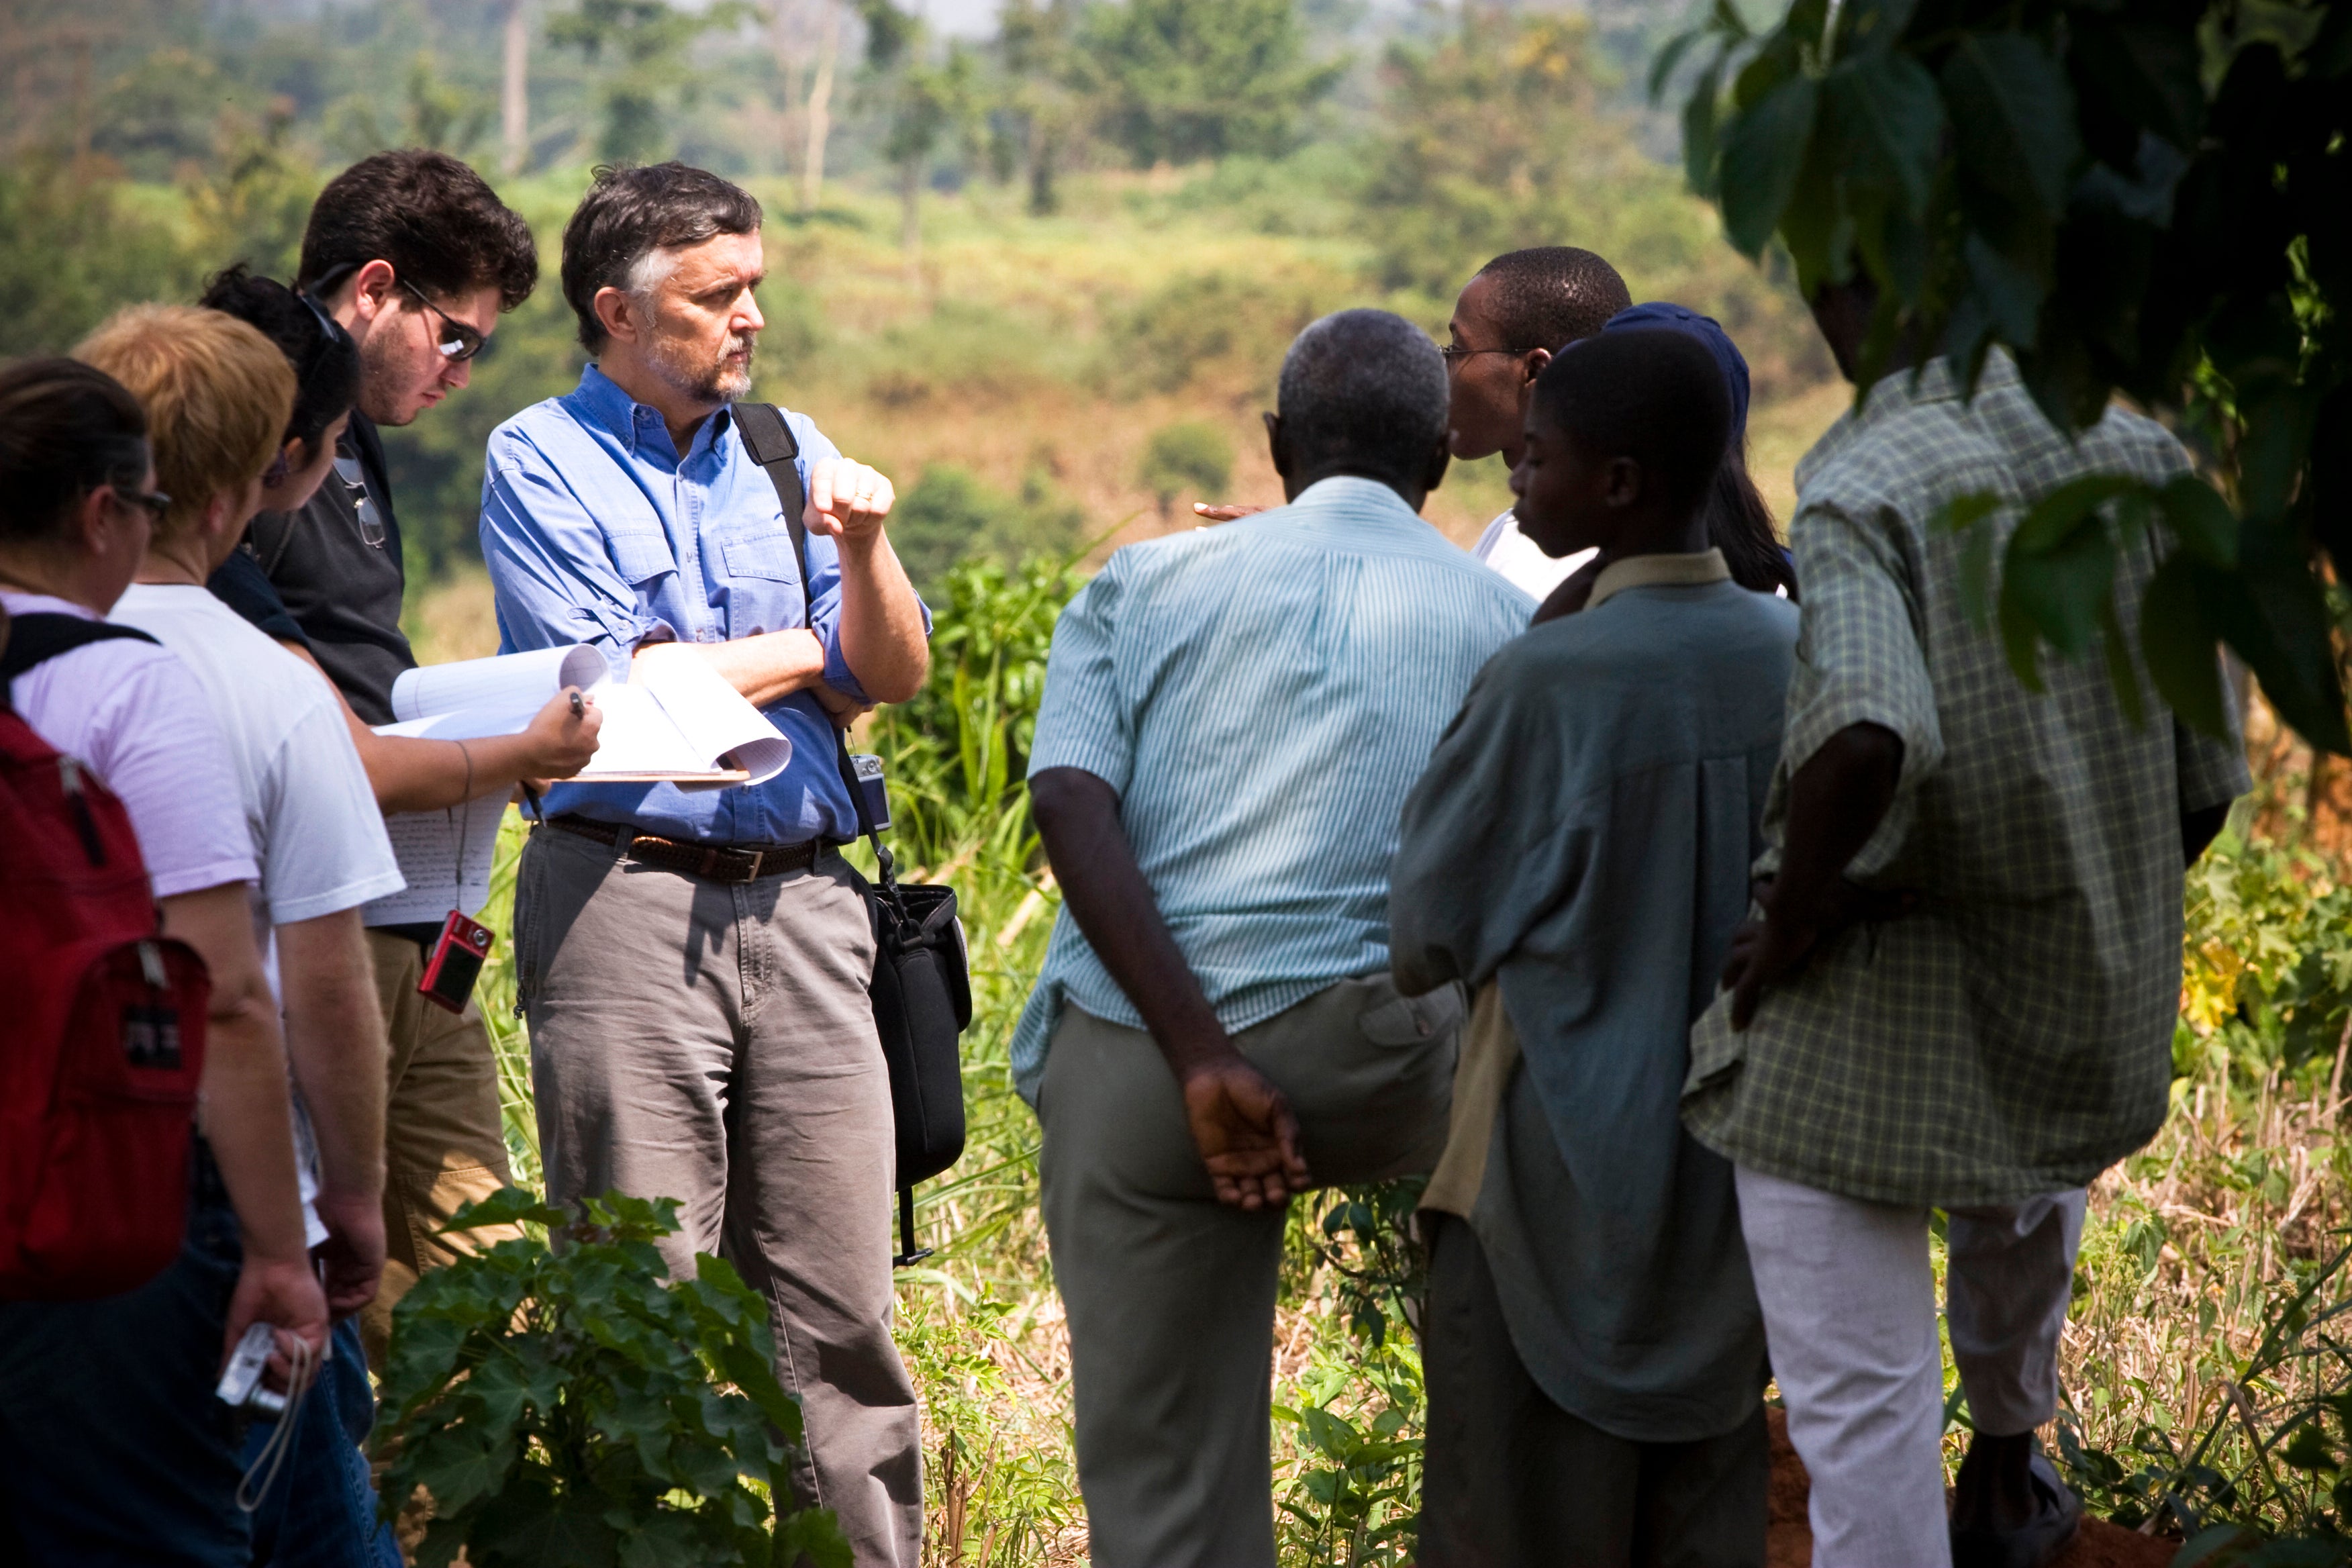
(1517, 311)
(413, 256)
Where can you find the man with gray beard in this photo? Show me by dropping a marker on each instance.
(694, 964)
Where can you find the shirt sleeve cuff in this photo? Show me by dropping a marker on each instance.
(1923, 754)
(1107, 763)
(837, 673)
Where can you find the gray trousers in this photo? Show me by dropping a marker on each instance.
(713, 1043)
(1171, 1294)
(1512, 1480)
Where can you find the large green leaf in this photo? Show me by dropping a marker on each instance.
(1889, 102)
(2273, 614)
(2060, 592)
(2148, 69)
(1763, 152)
(2012, 117)
(2178, 645)
(2200, 520)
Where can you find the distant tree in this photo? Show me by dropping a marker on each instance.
(2152, 199)
(923, 101)
(1040, 108)
(514, 87)
(1190, 455)
(648, 40)
(1177, 81)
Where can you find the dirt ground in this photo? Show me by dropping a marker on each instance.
(1788, 1543)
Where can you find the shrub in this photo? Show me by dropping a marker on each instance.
(578, 1407)
(1194, 323)
(952, 515)
(1192, 455)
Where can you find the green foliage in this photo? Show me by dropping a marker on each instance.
(1177, 80)
(71, 250)
(2141, 199)
(951, 515)
(1191, 454)
(1496, 136)
(254, 204)
(646, 41)
(1196, 324)
(1356, 1498)
(572, 1404)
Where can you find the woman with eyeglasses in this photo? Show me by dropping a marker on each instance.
(94, 1391)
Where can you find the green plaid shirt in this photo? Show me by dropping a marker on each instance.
(2013, 1037)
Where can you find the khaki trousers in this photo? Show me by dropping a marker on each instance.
(444, 1145)
(712, 1042)
(1171, 1294)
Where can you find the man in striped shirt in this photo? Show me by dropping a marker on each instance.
(1233, 719)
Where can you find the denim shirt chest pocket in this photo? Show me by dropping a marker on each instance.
(762, 583)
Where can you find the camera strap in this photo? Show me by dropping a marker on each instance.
(281, 1441)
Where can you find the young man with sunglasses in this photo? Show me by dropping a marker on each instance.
(414, 258)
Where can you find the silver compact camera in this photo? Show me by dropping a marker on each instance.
(240, 1385)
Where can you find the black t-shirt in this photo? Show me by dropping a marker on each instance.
(341, 581)
(245, 588)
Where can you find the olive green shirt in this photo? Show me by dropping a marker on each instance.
(2013, 1037)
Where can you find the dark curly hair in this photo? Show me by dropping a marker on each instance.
(66, 429)
(437, 222)
(326, 361)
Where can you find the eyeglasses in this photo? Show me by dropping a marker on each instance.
(355, 483)
(457, 342)
(1454, 354)
(156, 503)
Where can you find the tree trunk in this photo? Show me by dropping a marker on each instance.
(514, 90)
(781, 42)
(820, 101)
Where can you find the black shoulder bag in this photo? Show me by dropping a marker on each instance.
(921, 988)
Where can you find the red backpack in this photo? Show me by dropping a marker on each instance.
(101, 1019)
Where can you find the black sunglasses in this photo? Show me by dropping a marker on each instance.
(457, 342)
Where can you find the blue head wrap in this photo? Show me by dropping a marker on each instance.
(1677, 318)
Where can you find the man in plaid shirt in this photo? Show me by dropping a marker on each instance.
(1961, 993)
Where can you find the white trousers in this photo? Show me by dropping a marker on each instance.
(1849, 1303)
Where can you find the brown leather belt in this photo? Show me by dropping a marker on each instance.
(711, 862)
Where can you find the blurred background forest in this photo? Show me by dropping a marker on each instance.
(1039, 264)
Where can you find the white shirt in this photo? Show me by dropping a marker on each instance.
(1514, 555)
(132, 714)
(315, 829)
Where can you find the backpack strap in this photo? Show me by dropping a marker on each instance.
(40, 636)
(770, 441)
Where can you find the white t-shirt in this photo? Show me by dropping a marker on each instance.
(133, 714)
(1514, 555)
(315, 828)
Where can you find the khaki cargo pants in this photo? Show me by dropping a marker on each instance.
(444, 1143)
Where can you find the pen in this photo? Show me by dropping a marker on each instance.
(579, 706)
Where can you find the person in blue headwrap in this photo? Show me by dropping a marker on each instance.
(1738, 520)
(1577, 855)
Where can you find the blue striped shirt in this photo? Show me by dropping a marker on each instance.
(1262, 695)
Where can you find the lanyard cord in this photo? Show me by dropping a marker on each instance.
(281, 1441)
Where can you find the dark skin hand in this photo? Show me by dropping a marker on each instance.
(1243, 1125)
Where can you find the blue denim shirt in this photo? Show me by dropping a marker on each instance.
(597, 530)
